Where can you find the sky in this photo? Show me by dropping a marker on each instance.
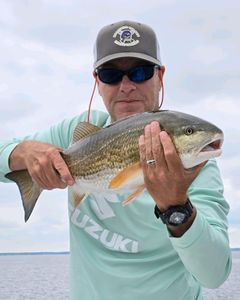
(46, 64)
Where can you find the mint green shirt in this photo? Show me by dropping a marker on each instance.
(125, 253)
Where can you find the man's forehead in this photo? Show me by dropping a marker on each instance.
(125, 62)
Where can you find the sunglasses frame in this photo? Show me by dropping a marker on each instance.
(126, 72)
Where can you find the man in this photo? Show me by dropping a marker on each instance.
(126, 252)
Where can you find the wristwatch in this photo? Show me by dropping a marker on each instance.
(175, 215)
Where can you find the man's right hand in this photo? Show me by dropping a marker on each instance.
(43, 162)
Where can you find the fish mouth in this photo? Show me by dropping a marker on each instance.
(210, 149)
(213, 145)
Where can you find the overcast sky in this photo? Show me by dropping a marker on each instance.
(46, 57)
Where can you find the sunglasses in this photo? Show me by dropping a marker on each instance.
(136, 74)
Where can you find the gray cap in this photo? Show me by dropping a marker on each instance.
(126, 39)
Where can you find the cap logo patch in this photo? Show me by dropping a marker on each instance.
(126, 36)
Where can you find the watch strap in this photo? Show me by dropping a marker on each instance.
(185, 209)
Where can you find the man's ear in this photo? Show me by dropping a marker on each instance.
(94, 75)
(161, 72)
(97, 81)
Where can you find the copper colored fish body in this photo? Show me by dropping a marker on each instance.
(107, 159)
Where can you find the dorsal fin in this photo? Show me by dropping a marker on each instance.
(82, 130)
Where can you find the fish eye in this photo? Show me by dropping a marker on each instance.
(189, 130)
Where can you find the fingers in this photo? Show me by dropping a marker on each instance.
(62, 170)
(150, 147)
(157, 149)
(168, 171)
(46, 175)
(58, 174)
(142, 149)
(170, 153)
(47, 167)
(158, 146)
(172, 158)
(148, 142)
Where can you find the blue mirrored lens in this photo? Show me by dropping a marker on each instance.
(136, 74)
(110, 76)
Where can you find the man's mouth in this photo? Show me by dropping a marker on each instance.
(128, 100)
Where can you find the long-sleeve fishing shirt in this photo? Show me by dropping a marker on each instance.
(124, 253)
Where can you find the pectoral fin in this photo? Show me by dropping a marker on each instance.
(127, 176)
(29, 190)
(134, 195)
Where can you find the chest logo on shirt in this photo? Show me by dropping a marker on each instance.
(111, 240)
(100, 205)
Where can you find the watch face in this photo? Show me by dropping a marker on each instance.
(177, 218)
(175, 215)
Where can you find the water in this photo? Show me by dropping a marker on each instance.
(34, 277)
(41, 277)
(230, 290)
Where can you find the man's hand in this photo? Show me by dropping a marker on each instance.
(167, 181)
(43, 162)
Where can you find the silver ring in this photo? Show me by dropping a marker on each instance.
(151, 162)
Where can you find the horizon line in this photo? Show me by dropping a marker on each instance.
(56, 252)
(35, 253)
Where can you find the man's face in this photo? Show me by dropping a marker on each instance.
(127, 97)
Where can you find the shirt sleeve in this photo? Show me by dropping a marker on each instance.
(204, 248)
(59, 135)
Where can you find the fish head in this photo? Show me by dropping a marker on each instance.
(195, 139)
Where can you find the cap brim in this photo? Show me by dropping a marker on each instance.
(126, 54)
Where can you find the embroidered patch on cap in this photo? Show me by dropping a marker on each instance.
(126, 36)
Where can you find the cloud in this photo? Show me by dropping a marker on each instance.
(214, 23)
(234, 235)
(7, 17)
(216, 108)
(203, 52)
(49, 219)
(233, 196)
(23, 106)
(46, 76)
(208, 54)
(230, 168)
(37, 79)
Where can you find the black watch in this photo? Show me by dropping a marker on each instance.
(175, 215)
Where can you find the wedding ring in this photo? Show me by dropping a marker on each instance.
(151, 162)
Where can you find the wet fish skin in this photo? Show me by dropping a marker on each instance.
(116, 146)
(107, 159)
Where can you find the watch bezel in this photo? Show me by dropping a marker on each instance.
(186, 209)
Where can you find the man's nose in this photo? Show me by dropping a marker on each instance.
(127, 85)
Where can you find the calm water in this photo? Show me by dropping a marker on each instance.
(41, 277)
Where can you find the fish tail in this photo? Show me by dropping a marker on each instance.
(29, 190)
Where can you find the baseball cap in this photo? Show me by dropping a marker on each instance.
(126, 39)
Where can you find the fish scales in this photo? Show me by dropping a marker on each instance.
(110, 151)
(107, 159)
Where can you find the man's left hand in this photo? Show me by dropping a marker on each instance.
(166, 180)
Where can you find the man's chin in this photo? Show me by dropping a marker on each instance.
(122, 115)
(123, 110)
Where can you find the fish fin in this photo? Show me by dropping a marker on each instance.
(82, 130)
(134, 195)
(29, 190)
(126, 175)
(77, 198)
